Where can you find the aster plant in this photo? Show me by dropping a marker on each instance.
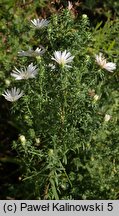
(13, 95)
(32, 53)
(26, 73)
(102, 62)
(63, 58)
(39, 24)
(67, 113)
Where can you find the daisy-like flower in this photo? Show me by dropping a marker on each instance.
(26, 73)
(63, 58)
(32, 53)
(70, 5)
(40, 23)
(102, 62)
(13, 95)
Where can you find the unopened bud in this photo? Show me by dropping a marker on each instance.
(92, 158)
(7, 82)
(50, 153)
(22, 139)
(107, 117)
(38, 59)
(37, 140)
(84, 16)
(96, 97)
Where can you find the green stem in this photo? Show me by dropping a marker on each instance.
(65, 173)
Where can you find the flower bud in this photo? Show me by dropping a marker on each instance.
(37, 140)
(96, 97)
(7, 82)
(107, 117)
(84, 16)
(50, 153)
(22, 139)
